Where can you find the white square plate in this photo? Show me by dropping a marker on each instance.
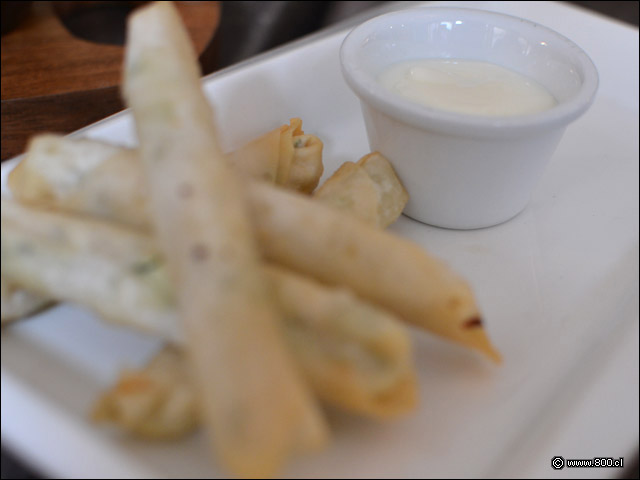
(558, 286)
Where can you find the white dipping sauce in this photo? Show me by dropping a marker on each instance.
(466, 86)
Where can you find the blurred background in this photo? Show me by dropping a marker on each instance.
(61, 65)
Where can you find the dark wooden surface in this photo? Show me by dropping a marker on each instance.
(56, 80)
(251, 28)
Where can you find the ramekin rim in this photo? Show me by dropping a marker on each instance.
(368, 89)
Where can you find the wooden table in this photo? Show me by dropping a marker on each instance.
(53, 80)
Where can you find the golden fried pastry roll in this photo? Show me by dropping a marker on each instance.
(369, 190)
(438, 299)
(156, 402)
(392, 272)
(306, 166)
(284, 156)
(355, 356)
(287, 150)
(82, 175)
(257, 409)
(391, 193)
(301, 233)
(351, 190)
(260, 157)
(90, 262)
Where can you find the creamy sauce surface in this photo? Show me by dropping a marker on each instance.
(466, 86)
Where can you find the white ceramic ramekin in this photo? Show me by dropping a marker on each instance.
(466, 171)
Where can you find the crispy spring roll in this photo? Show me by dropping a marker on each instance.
(287, 150)
(354, 356)
(90, 176)
(389, 271)
(351, 190)
(17, 302)
(371, 370)
(392, 195)
(156, 402)
(437, 299)
(257, 408)
(284, 156)
(79, 260)
(260, 157)
(84, 174)
(306, 166)
(369, 190)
